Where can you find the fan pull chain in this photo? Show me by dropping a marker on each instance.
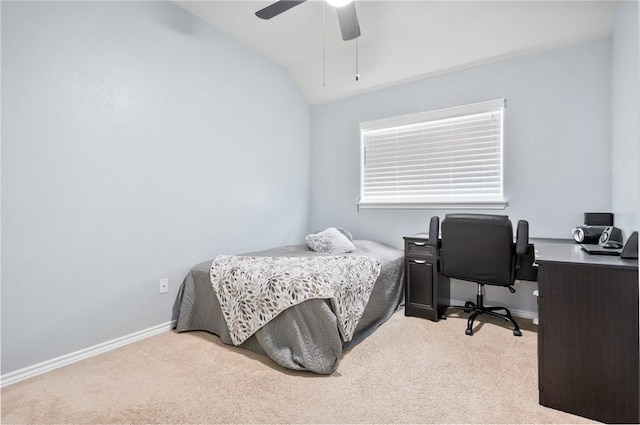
(357, 73)
(357, 55)
(323, 37)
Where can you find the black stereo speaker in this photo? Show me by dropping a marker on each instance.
(611, 237)
(588, 234)
(630, 249)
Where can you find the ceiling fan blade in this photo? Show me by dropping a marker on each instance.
(348, 19)
(277, 8)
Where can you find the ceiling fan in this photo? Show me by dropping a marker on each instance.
(346, 9)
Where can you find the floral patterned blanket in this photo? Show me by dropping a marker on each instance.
(254, 290)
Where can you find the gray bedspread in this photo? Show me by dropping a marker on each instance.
(303, 337)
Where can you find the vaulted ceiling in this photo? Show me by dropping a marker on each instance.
(402, 40)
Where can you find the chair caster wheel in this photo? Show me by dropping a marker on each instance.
(468, 331)
(516, 332)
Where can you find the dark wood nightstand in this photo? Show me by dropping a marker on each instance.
(423, 282)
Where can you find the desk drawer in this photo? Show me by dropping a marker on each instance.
(418, 247)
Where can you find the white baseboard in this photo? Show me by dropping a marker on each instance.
(517, 313)
(67, 359)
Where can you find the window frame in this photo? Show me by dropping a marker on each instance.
(491, 106)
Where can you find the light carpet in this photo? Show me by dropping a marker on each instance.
(410, 370)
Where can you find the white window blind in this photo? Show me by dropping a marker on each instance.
(450, 158)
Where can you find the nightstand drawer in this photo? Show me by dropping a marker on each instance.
(418, 247)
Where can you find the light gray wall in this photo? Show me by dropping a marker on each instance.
(625, 113)
(556, 145)
(136, 141)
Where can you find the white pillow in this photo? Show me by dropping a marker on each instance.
(331, 241)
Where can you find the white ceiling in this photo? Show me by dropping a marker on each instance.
(402, 40)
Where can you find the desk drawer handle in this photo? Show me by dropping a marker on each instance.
(419, 261)
(419, 243)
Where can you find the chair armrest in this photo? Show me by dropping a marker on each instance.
(522, 238)
(434, 230)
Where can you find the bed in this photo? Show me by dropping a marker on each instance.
(304, 336)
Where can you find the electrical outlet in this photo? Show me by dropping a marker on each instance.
(164, 285)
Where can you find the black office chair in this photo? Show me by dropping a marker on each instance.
(480, 248)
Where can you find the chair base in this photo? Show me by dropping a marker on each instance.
(479, 308)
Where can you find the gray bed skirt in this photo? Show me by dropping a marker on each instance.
(303, 337)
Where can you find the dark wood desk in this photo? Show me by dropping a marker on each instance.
(588, 351)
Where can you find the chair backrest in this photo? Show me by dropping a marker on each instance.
(478, 248)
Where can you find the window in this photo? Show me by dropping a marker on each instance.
(449, 158)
